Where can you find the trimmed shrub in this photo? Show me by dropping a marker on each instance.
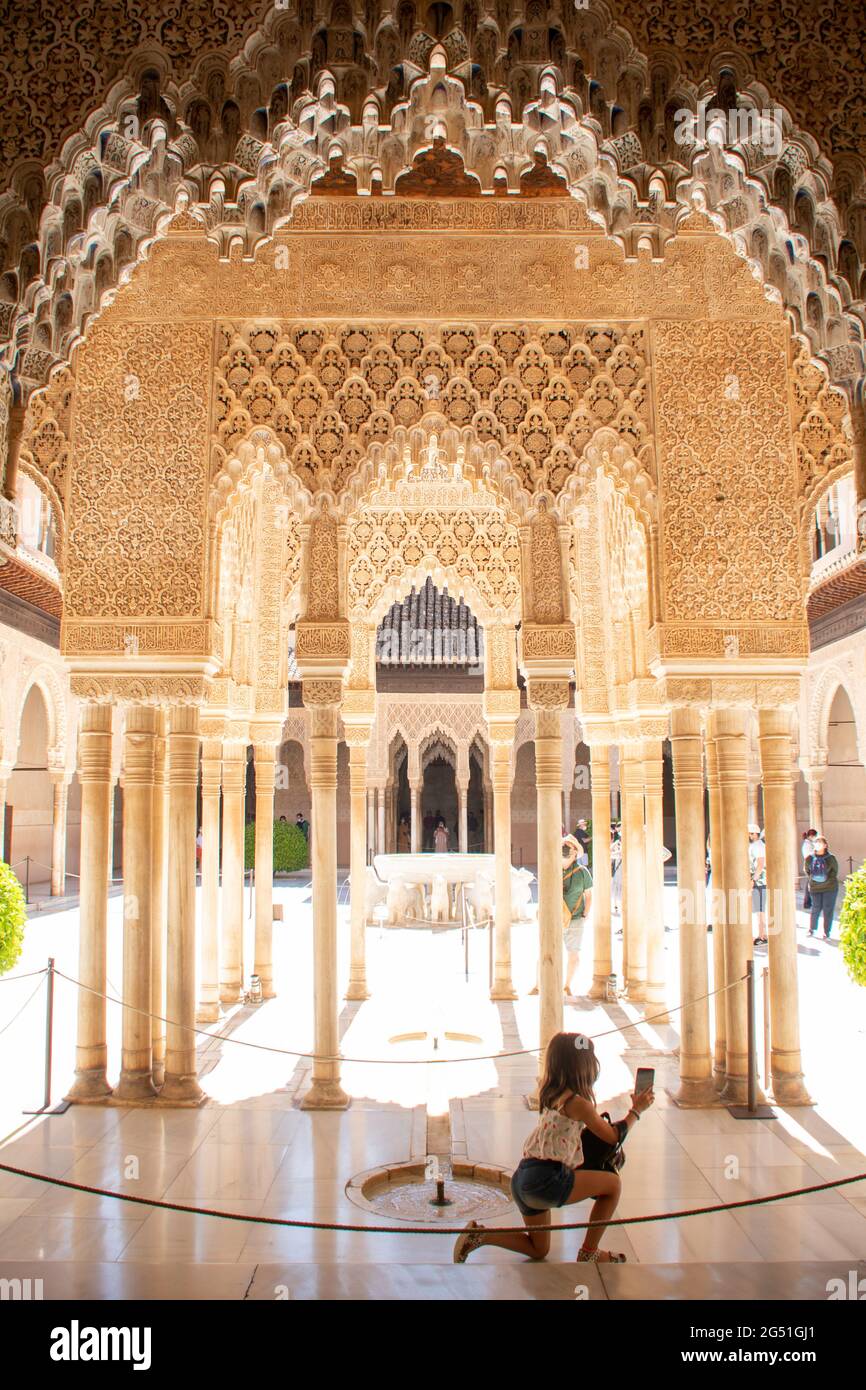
(852, 921)
(291, 851)
(13, 917)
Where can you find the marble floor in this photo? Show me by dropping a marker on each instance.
(251, 1151)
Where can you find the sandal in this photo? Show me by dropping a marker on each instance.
(602, 1257)
(470, 1240)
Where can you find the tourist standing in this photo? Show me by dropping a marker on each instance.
(576, 903)
(822, 870)
(758, 873)
(441, 836)
(404, 836)
(807, 848)
(615, 869)
(583, 837)
(551, 1173)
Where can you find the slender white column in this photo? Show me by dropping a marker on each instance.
(234, 795)
(653, 772)
(601, 878)
(211, 767)
(325, 1091)
(815, 781)
(781, 834)
(415, 816)
(371, 821)
(160, 901)
(462, 817)
(729, 729)
(548, 783)
(60, 783)
(500, 771)
(696, 1065)
(383, 839)
(265, 765)
(717, 911)
(633, 872)
(181, 1084)
(358, 740)
(4, 791)
(94, 774)
(139, 756)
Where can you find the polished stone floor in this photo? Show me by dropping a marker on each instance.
(251, 1151)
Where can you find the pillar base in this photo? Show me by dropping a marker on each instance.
(208, 1013)
(505, 990)
(357, 991)
(790, 1090)
(325, 1095)
(181, 1091)
(598, 988)
(736, 1092)
(696, 1095)
(230, 994)
(635, 992)
(134, 1087)
(657, 1009)
(89, 1087)
(159, 1076)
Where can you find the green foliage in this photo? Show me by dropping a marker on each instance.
(853, 924)
(13, 916)
(291, 850)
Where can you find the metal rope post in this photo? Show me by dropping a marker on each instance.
(45, 1108)
(752, 1110)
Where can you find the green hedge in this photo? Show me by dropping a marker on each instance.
(13, 916)
(853, 924)
(291, 850)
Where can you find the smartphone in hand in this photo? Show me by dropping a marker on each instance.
(645, 1079)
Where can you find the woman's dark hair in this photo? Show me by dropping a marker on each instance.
(570, 1066)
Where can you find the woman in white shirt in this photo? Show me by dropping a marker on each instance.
(550, 1173)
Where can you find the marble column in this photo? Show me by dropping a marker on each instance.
(265, 771)
(232, 939)
(462, 817)
(139, 769)
(181, 1084)
(60, 787)
(371, 823)
(814, 776)
(358, 740)
(160, 901)
(94, 774)
(416, 829)
(653, 773)
(774, 735)
(383, 837)
(633, 872)
(488, 821)
(325, 1091)
(717, 911)
(602, 966)
(696, 1065)
(500, 772)
(211, 767)
(548, 782)
(729, 730)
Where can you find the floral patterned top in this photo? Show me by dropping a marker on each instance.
(557, 1138)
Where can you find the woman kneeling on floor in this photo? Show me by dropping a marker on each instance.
(550, 1174)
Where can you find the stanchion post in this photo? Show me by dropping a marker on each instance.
(45, 1107)
(752, 1110)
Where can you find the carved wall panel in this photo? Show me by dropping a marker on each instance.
(137, 494)
(730, 545)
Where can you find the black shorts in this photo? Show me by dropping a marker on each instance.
(538, 1184)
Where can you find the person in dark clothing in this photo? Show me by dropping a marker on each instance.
(303, 825)
(822, 878)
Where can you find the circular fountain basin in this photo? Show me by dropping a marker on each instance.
(403, 1192)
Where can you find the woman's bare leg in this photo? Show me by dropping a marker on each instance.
(535, 1244)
